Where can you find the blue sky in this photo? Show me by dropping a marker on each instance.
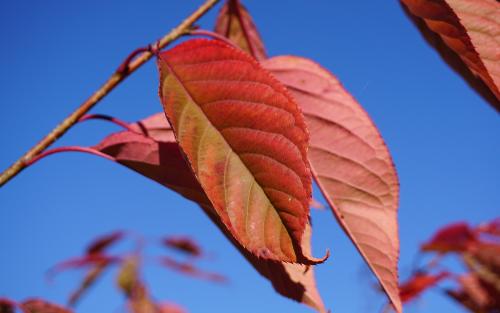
(55, 53)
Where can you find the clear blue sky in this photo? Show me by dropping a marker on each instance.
(442, 135)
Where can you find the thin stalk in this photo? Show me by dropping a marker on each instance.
(46, 153)
(207, 33)
(135, 60)
(108, 118)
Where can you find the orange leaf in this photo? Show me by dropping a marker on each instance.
(469, 29)
(350, 163)
(235, 23)
(246, 142)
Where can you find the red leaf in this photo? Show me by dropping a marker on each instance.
(162, 161)
(89, 280)
(488, 255)
(84, 261)
(190, 270)
(246, 142)
(418, 283)
(491, 228)
(183, 244)
(350, 163)
(453, 238)
(41, 306)
(468, 29)
(103, 242)
(472, 286)
(7, 306)
(235, 23)
(475, 294)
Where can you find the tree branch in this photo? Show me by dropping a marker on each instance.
(135, 60)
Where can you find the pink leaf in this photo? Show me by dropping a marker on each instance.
(351, 164)
(469, 30)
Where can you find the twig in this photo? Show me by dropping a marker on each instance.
(131, 63)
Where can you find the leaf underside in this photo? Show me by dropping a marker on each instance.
(469, 29)
(350, 163)
(246, 142)
(154, 153)
(235, 23)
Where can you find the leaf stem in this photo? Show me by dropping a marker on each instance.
(45, 153)
(135, 60)
(207, 33)
(108, 118)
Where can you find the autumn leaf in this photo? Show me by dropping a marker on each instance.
(183, 244)
(488, 256)
(161, 161)
(128, 275)
(153, 152)
(303, 276)
(475, 294)
(189, 269)
(246, 142)
(351, 164)
(235, 23)
(81, 262)
(418, 283)
(103, 242)
(41, 306)
(469, 29)
(130, 283)
(95, 262)
(491, 228)
(7, 305)
(455, 237)
(88, 281)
